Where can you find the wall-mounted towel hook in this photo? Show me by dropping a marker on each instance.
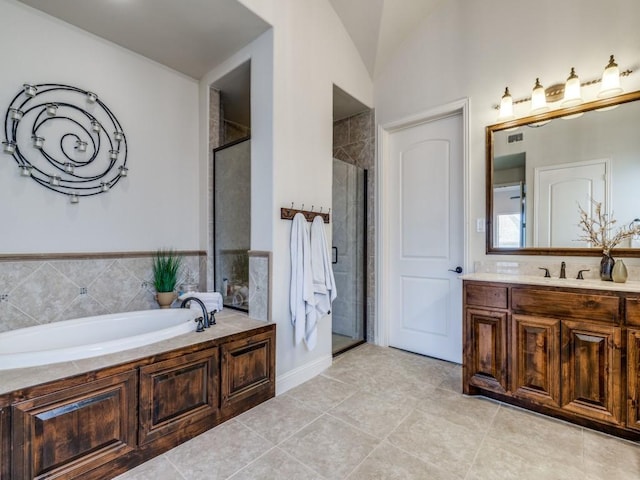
(291, 205)
(312, 208)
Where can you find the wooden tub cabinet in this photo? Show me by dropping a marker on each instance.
(99, 424)
(568, 352)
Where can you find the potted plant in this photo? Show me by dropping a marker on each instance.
(166, 266)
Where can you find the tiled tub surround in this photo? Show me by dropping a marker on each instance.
(45, 290)
(354, 143)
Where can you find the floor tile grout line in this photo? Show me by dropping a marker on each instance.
(413, 455)
(175, 467)
(486, 432)
(302, 463)
(252, 461)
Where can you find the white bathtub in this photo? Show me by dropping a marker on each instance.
(91, 336)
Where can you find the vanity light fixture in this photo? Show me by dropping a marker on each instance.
(569, 92)
(610, 80)
(572, 90)
(538, 99)
(506, 106)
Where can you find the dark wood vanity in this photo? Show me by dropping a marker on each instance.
(98, 424)
(569, 352)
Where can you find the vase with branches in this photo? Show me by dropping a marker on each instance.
(599, 230)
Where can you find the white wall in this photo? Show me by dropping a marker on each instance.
(157, 205)
(311, 51)
(475, 49)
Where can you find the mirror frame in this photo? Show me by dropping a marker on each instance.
(553, 114)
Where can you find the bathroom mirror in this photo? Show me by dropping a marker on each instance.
(541, 169)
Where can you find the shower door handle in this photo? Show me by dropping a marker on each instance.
(334, 260)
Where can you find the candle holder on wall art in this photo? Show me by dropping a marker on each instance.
(59, 137)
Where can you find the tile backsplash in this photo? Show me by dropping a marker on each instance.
(36, 292)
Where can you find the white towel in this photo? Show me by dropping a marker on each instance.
(324, 284)
(212, 300)
(301, 298)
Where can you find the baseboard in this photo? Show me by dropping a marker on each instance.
(301, 374)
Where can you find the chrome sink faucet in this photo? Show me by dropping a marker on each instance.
(563, 270)
(203, 322)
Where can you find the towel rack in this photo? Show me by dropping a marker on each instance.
(289, 213)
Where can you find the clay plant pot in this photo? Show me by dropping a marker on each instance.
(165, 299)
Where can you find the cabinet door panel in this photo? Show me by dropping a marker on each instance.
(248, 370)
(177, 392)
(591, 373)
(70, 432)
(633, 378)
(535, 353)
(485, 350)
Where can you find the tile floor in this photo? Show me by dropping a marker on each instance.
(380, 413)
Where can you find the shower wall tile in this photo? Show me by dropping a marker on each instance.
(259, 283)
(39, 292)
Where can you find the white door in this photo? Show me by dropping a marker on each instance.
(426, 238)
(558, 192)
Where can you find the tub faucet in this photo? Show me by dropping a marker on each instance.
(203, 322)
(563, 270)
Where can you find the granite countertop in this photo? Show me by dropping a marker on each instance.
(629, 286)
(228, 322)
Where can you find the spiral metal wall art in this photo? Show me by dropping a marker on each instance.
(66, 139)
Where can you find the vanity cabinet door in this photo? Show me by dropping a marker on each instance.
(591, 364)
(535, 357)
(178, 395)
(73, 432)
(485, 351)
(633, 378)
(248, 372)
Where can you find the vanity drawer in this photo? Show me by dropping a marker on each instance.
(633, 311)
(486, 296)
(565, 305)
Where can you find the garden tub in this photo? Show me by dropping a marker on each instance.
(91, 336)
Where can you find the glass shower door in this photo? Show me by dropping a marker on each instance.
(348, 255)
(232, 222)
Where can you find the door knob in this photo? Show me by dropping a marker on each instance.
(458, 269)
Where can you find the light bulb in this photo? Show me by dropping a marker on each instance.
(506, 106)
(538, 99)
(572, 93)
(610, 80)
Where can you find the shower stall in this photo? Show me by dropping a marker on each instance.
(232, 222)
(349, 255)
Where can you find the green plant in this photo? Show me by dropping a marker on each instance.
(166, 266)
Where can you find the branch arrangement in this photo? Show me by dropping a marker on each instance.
(598, 229)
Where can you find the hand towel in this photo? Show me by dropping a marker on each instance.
(301, 290)
(212, 300)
